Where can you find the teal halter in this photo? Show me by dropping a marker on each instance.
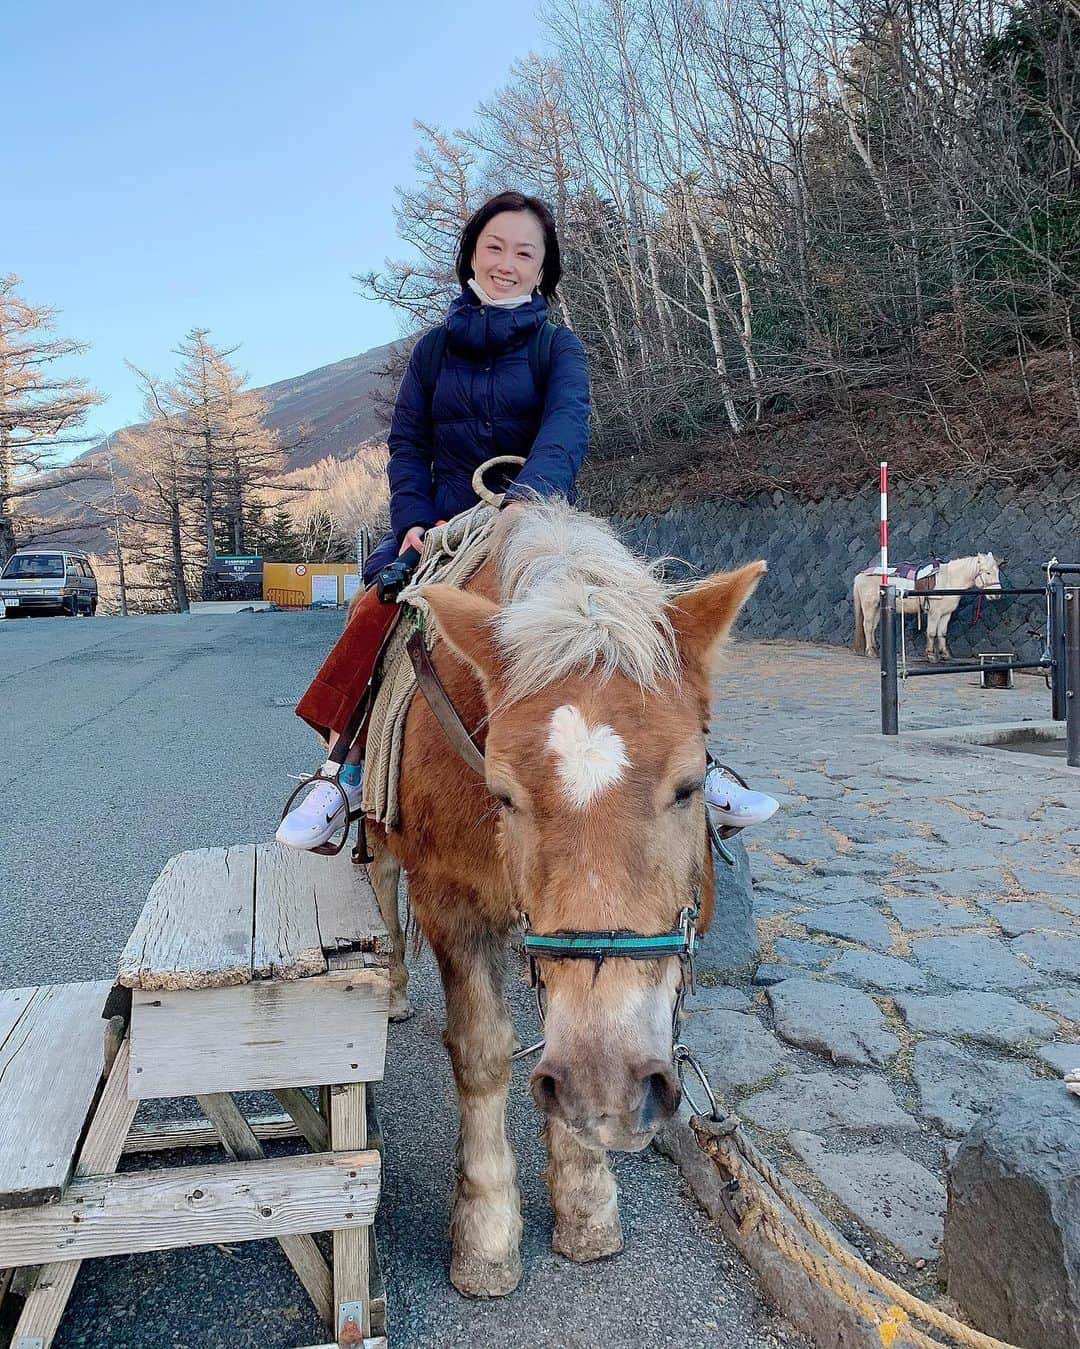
(599, 946)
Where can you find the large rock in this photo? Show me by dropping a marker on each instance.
(1018, 916)
(929, 915)
(1012, 1228)
(729, 950)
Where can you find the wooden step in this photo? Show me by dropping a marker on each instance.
(218, 917)
(51, 1063)
(194, 1206)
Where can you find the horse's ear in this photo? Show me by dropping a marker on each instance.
(466, 621)
(703, 615)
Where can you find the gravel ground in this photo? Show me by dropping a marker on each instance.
(128, 741)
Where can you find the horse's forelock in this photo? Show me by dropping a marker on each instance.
(576, 599)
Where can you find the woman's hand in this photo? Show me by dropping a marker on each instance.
(413, 539)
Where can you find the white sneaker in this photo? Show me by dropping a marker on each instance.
(319, 815)
(735, 806)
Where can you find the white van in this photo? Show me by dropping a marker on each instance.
(47, 581)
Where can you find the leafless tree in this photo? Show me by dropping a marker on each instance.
(41, 410)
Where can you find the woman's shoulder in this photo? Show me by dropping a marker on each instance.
(564, 341)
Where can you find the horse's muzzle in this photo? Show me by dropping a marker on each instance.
(624, 1120)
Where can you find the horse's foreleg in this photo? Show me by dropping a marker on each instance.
(485, 1227)
(937, 622)
(384, 873)
(583, 1195)
(943, 630)
(931, 633)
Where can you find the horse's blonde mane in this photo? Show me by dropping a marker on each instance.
(573, 599)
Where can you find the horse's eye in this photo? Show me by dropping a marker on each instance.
(505, 801)
(686, 793)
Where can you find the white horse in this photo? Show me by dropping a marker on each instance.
(962, 573)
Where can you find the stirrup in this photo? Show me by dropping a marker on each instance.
(330, 848)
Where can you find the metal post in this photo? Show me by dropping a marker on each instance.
(1056, 643)
(1072, 675)
(890, 722)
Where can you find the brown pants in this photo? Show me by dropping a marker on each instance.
(335, 692)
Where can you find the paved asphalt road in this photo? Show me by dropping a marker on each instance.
(125, 741)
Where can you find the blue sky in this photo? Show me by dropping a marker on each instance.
(228, 165)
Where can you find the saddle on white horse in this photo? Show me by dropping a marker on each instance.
(910, 576)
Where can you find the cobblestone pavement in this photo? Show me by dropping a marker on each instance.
(919, 916)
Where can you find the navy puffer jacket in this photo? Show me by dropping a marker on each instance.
(485, 403)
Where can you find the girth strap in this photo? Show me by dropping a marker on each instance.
(439, 701)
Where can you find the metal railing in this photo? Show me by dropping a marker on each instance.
(1061, 661)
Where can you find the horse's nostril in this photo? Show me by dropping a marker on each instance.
(661, 1092)
(545, 1090)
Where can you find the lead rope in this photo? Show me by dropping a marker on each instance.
(773, 1207)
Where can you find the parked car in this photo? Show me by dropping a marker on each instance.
(47, 581)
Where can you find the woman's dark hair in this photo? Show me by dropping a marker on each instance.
(512, 201)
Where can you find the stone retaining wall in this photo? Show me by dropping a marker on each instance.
(814, 549)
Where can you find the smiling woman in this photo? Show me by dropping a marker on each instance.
(496, 379)
(503, 253)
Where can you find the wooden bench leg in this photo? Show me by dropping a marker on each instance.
(301, 1251)
(304, 1115)
(348, 1130)
(99, 1157)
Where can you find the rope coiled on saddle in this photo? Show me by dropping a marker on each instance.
(452, 554)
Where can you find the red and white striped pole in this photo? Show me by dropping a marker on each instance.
(884, 523)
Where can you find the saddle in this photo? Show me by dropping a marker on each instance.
(453, 553)
(911, 576)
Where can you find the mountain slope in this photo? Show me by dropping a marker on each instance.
(331, 412)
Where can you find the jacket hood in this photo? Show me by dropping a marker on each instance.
(475, 329)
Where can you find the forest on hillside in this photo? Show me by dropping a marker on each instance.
(774, 211)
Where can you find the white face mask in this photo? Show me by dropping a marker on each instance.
(484, 298)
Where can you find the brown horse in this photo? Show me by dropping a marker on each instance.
(589, 685)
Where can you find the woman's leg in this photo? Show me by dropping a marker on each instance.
(356, 752)
(330, 706)
(330, 701)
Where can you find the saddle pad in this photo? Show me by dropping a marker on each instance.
(452, 554)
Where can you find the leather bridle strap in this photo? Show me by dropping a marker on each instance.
(443, 709)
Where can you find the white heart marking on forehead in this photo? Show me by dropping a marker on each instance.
(588, 758)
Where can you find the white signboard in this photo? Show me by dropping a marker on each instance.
(350, 584)
(323, 589)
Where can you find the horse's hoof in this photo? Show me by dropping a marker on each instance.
(401, 1009)
(476, 1277)
(581, 1243)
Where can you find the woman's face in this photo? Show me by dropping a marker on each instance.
(509, 255)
